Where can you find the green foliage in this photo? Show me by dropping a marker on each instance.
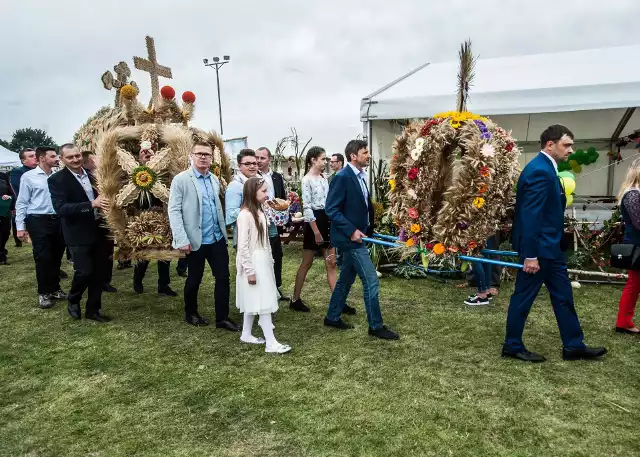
(29, 138)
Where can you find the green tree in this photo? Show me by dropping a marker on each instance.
(29, 138)
(5, 144)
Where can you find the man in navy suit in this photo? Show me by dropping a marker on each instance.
(350, 210)
(538, 236)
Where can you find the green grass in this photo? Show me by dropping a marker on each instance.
(147, 384)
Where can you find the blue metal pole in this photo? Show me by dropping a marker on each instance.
(386, 237)
(382, 243)
(504, 253)
(490, 261)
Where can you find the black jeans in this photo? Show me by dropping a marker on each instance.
(89, 266)
(182, 265)
(108, 261)
(217, 257)
(5, 230)
(48, 247)
(163, 273)
(276, 252)
(14, 229)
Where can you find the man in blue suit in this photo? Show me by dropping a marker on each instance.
(538, 236)
(350, 210)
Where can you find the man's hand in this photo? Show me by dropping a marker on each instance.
(23, 235)
(251, 279)
(6, 197)
(185, 249)
(356, 236)
(318, 237)
(99, 202)
(531, 266)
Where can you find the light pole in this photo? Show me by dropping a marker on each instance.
(217, 64)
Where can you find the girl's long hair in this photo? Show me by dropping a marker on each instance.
(631, 180)
(250, 202)
(313, 153)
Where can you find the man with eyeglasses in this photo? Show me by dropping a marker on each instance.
(336, 164)
(247, 168)
(275, 185)
(198, 229)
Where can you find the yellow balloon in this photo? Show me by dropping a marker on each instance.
(568, 184)
(569, 200)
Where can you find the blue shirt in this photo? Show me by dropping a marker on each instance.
(210, 226)
(362, 179)
(33, 197)
(15, 176)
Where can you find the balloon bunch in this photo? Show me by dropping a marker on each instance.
(578, 159)
(568, 181)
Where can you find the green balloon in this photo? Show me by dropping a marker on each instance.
(566, 174)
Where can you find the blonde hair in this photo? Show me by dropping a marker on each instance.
(631, 180)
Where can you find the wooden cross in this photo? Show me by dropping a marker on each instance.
(122, 74)
(151, 66)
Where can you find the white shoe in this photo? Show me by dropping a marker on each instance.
(278, 349)
(252, 340)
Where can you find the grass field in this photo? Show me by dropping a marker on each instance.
(148, 384)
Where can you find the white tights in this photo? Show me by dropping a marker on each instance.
(264, 321)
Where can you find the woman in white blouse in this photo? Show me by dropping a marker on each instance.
(316, 225)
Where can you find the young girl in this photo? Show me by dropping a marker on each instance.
(316, 225)
(256, 291)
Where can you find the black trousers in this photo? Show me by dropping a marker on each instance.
(108, 261)
(14, 229)
(276, 252)
(182, 264)
(48, 247)
(89, 266)
(217, 256)
(163, 272)
(5, 232)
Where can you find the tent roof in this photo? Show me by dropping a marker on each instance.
(565, 82)
(9, 158)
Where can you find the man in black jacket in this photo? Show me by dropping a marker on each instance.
(75, 198)
(275, 183)
(5, 217)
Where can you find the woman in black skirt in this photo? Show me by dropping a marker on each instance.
(316, 224)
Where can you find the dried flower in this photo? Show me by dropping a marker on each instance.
(484, 172)
(478, 202)
(415, 228)
(488, 150)
(413, 213)
(128, 91)
(509, 147)
(402, 235)
(472, 245)
(482, 188)
(420, 143)
(145, 145)
(409, 243)
(413, 173)
(439, 249)
(392, 184)
(462, 225)
(416, 153)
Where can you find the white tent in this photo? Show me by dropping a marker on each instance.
(9, 159)
(593, 92)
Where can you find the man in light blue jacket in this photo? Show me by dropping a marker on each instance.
(198, 229)
(247, 168)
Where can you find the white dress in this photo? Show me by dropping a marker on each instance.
(254, 258)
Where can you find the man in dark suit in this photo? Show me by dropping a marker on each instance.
(538, 236)
(29, 162)
(75, 198)
(350, 210)
(275, 183)
(6, 194)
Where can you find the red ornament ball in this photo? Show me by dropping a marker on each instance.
(168, 92)
(189, 97)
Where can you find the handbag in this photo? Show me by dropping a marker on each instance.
(625, 256)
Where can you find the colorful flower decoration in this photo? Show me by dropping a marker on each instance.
(482, 188)
(409, 243)
(415, 154)
(145, 145)
(413, 173)
(478, 202)
(419, 143)
(429, 246)
(472, 245)
(168, 92)
(484, 172)
(462, 225)
(509, 147)
(486, 135)
(402, 235)
(413, 213)
(392, 184)
(455, 125)
(452, 249)
(439, 249)
(426, 129)
(143, 177)
(189, 97)
(415, 228)
(128, 92)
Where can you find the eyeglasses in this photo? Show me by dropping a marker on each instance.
(203, 155)
(249, 164)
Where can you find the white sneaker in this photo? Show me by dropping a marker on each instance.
(475, 300)
(252, 340)
(278, 349)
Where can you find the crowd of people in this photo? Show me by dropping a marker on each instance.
(60, 210)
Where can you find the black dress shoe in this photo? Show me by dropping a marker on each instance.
(583, 354)
(197, 321)
(282, 297)
(63, 274)
(627, 331)
(138, 288)
(524, 355)
(74, 311)
(340, 324)
(298, 305)
(4, 262)
(97, 317)
(181, 273)
(348, 310)
(109, 288)
(167, 291)
(227, 325)
(384, 333)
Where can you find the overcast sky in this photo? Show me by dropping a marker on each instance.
(293, 63)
